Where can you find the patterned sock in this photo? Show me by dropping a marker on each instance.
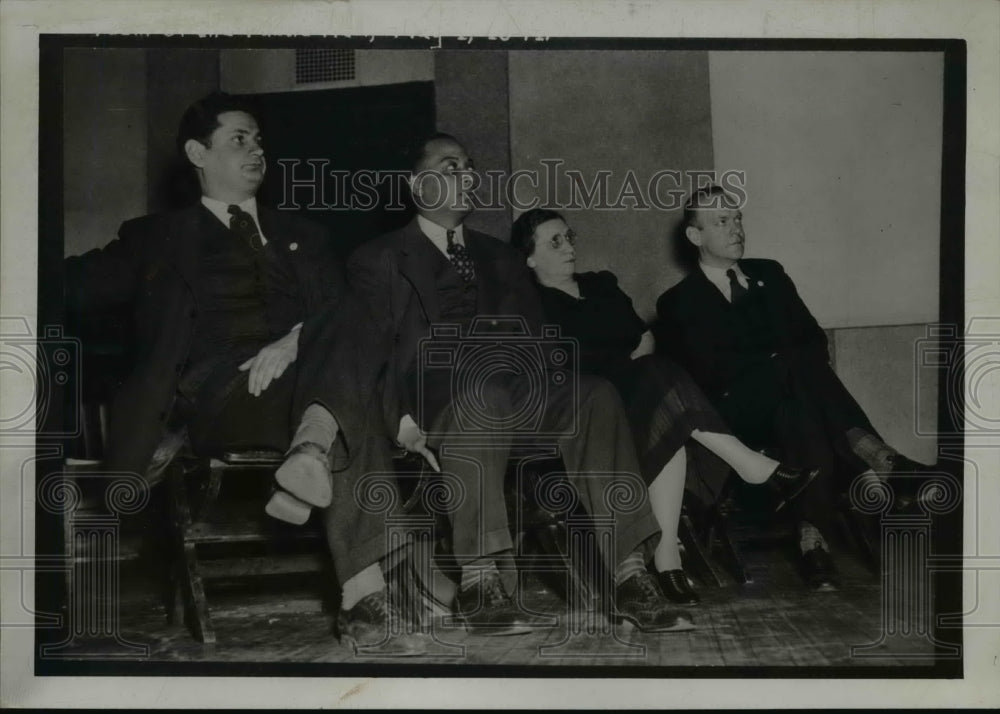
(810, 537)
(477, 569)
(872, 450)
(368, 581)
(317, 425)
(632, 564)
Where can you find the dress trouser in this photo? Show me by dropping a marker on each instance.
(807, 422)
(236, 419)
(585, 419)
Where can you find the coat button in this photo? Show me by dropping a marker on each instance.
(293, 246)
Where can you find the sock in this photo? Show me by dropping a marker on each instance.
(477, 569)
(317, 425)
(368, 581)
(810, 537)
(872, 450)
(632, 564)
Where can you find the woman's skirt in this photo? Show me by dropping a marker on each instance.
(664, 406)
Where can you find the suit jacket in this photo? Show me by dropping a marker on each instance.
(695, 326)
(395, 276)
(153, 265)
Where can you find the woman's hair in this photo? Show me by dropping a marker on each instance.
(522, 233)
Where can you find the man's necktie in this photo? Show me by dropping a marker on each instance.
(243, 224)
(460, 259)
(737, 291)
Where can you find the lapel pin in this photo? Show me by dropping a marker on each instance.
(293, 246)
(760, 283)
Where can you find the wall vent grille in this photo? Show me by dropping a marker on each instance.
(313, 65)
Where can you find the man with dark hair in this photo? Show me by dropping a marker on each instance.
(436, 272)
(227, 296)
(742, 331)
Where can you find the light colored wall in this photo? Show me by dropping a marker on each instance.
(878, 366)
(257, 71)
(104, 143)
(642, 111)
(843, 157)
(471, 102)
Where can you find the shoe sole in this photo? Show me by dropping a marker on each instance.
(681, 626)
(285, 507)
(306, 478)
(488, 631)
(348, 641)
(811, 477)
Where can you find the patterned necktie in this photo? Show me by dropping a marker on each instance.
(243, 224)
(736, 289)
(460, 259)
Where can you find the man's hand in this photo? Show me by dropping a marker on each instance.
(271, 362)
(414, 440)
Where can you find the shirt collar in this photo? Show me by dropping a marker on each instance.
(220, 210)
(718, 277)
(438, 235)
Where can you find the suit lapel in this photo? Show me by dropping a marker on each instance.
(706, 294)
(416, 265)
(184, 240)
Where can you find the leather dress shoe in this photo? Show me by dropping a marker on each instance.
(675, 585)
(374, 626)
(286, 507)
(911, 483)
(819, 571)
(488, 610)
(789, 483)
(305, 474)
(640, 601)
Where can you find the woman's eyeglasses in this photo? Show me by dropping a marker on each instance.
(558, 239)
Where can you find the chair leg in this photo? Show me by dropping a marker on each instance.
(699, 559)
(187, 571)
(719, 538)
(856, 527)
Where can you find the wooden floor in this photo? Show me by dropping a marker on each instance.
(773, 622)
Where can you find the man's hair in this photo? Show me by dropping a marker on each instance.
(416, 151)
(704, 198)
(523, 231)
(202, 118)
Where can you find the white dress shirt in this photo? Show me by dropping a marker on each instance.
(220, 210)
(438, 235)
(718, 278)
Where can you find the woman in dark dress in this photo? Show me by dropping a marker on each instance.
(665, 407)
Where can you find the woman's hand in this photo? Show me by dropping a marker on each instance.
(646, 346)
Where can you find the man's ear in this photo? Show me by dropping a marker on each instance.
(531, 262)
(195, 152)
(414, 183)
(693, 235)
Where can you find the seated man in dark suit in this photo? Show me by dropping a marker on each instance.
(744, 334)
(436, 271)
(226, 294)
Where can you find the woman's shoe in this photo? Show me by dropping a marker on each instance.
(677, 588)
(789, 483)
